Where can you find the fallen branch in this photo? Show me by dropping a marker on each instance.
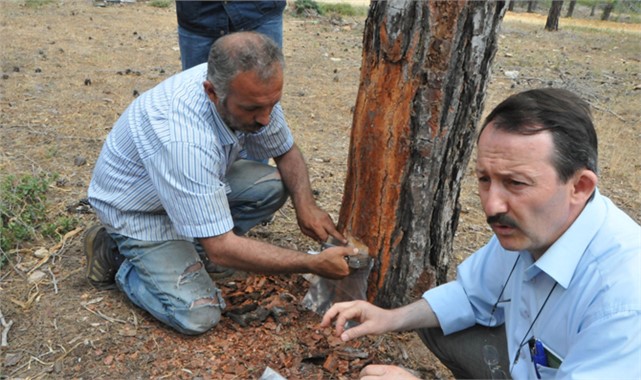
(5, 330)
(53, 281)
(101, 315)
(55, 248)
(25, 305)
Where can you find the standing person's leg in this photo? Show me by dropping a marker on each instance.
(272, 26)
(194, 48)
(478, 352)
(169, 280)
(257, 192)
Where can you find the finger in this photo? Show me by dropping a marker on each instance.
(353, 332)
(373, 370)
(329, 316)
(345, 315)
(331, 229)
(351, 251)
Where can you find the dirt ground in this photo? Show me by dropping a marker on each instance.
(70, 68)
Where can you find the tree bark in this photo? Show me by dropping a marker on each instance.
(571, 9)
(552, 23)
(511, 5)
(424, 73)
(531, 6)
(607, 10)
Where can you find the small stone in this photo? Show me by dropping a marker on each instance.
(36, 277)
(41, 253)
(12, 359)
(79, 161)
(87, 82)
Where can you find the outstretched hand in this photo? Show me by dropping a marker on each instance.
(371, 319)
(317, 224)
(331, 263)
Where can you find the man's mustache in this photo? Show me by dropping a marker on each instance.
(502, 219)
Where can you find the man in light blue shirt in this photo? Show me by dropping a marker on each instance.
(175, 195)
(556, 293)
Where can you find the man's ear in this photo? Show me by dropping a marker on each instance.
(585, 182)
(210, 91)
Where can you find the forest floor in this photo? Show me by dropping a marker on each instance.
(70, 68)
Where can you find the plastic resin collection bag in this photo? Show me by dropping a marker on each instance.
(324, 292)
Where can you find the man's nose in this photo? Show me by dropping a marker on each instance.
(263, 117)
(495, 201)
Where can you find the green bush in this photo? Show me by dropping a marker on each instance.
(24, 215)
(36, 3)
(160, 3)
(307, 7)
(343, 9)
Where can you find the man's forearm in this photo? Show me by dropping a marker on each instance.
(293, 171)
(414, 316)
(246, 254)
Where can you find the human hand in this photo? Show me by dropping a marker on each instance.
(331, 263)
(317, 224)
(372, 319)
(380, 372)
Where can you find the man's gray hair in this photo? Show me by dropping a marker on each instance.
(240, 52)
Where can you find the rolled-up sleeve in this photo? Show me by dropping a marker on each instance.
(451, 306)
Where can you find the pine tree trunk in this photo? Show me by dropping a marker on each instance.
(571, 9)
(424, 75)
(531, 6)
(607, 10)
(552, 23)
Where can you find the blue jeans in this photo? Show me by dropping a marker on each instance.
(168, 278)
(194, 47)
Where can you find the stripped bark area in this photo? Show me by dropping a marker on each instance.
(424, 73)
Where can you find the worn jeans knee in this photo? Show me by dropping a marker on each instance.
(169, 280)
(197, 320)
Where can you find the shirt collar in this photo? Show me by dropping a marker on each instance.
(561, 259)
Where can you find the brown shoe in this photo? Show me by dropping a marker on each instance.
(103, 258)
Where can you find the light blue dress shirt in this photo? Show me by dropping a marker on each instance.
(592, 320)
(161, 172)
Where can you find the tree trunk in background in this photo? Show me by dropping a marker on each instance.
(424, 74)
(511, 5)
(593, 10)
(552, 23)
(571, 9)
(531, 6)
(607, 9)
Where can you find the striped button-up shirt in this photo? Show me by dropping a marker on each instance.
(161, 172)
